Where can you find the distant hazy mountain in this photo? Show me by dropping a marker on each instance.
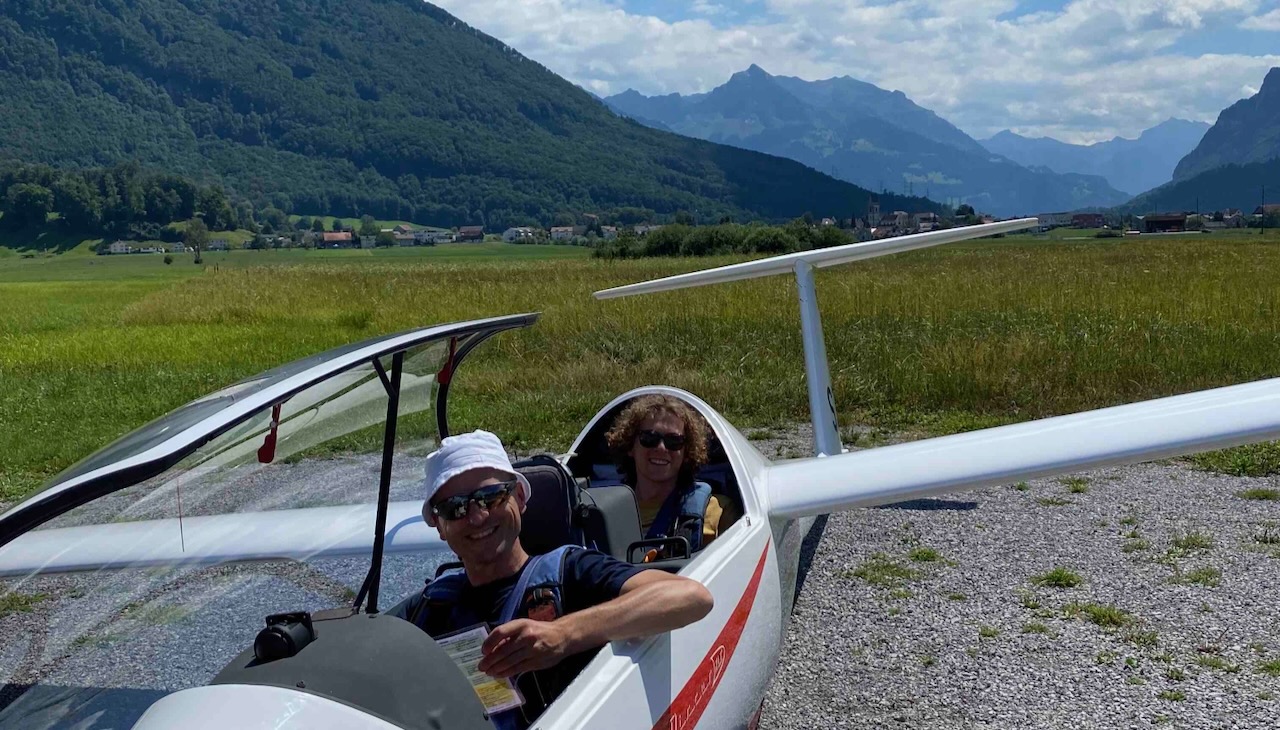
(861, 133)
(1131, 165)
(1247, 131)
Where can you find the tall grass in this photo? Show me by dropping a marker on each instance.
(939, 340)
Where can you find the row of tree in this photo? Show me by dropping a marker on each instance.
(121, 201)
(726, 238)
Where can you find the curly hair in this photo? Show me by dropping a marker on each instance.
(622, 435)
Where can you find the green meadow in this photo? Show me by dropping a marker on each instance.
(933, 341)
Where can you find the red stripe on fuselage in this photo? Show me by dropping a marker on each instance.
(688, 706)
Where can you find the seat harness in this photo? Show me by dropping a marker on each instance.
(538, 595)
(682, 515)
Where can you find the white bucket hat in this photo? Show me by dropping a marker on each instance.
(464, 452)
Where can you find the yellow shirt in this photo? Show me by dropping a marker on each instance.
(722, 511)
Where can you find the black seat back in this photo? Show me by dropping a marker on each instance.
(610, 519)
(547, 522)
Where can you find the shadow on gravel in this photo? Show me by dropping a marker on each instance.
(807, 549)
(953, 505)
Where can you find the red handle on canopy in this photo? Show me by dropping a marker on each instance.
(267, 452)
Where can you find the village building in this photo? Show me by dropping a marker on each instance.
(644, 229)
(471, 233)
(337, 239)
(609, 233)
(926, 221)
(1164, 223)
(1054, 220)
(368, 241)
(218, 244)
(562, 233)
(522, 234)
(120, 247)
(1088, 220)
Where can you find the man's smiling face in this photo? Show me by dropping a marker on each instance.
(483, 535)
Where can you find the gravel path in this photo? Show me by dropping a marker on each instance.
(929, 614)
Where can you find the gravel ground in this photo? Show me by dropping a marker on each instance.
(928, 614)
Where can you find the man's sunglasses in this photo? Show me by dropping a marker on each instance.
(455, 508)
(650, 439)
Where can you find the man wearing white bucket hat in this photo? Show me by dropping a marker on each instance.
(548, 612)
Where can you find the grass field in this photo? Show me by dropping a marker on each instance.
(933, 341)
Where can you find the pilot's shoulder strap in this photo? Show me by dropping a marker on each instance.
(544, 571)
(682, 514)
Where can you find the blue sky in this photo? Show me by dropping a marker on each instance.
(1078, 70)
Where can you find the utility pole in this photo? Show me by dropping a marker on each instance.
(1264, 211)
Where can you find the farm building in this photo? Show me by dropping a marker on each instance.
(1164, 222)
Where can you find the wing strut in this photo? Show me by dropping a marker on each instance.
(822, 407)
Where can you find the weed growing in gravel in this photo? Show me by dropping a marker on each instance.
(1059, 577)
(1172, 695)
(1034, 627)
(988, 632)
(1271, 668)
(924, 555)
(1175, 673)
(1144, 639)
(1053, 501)
(1268, 534)
(1133, 546)
(1131, 662)
(1266, 696)
(896, 610)
(1133, 535)
(927, 661)
(1104, 615)
(1129, 520)
(1022, 486)
(20, 602)
(1216, 662)
(901, 594)
(957, 597)
(881, 570)
(1076, 485)
(1192, 540)
(1261, 493)
(1134, 679)
(760, 434)
(1206, 608)
(1105, 657)
(1205, 576)
(1028, 600)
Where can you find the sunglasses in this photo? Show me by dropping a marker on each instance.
(455, 508)
(650, 439)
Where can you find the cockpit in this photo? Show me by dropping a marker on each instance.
(149, 567)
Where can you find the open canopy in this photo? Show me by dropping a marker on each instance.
(150, 565)
(294, 390)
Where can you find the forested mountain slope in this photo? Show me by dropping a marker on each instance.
(388, 107)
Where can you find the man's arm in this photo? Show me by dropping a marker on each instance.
(651, 602)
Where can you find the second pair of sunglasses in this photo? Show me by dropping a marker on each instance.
(650, 439)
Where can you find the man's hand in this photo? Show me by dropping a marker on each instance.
(524, 645)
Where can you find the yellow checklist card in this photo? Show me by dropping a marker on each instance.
(463, 647)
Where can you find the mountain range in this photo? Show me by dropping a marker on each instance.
(1236, 160)
(393, 108)
(861, 133)
(1130, 165)
(1246, 132)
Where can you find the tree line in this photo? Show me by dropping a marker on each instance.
(726, 238)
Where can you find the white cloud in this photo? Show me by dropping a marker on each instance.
(1269, 21)
(1092, 70)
